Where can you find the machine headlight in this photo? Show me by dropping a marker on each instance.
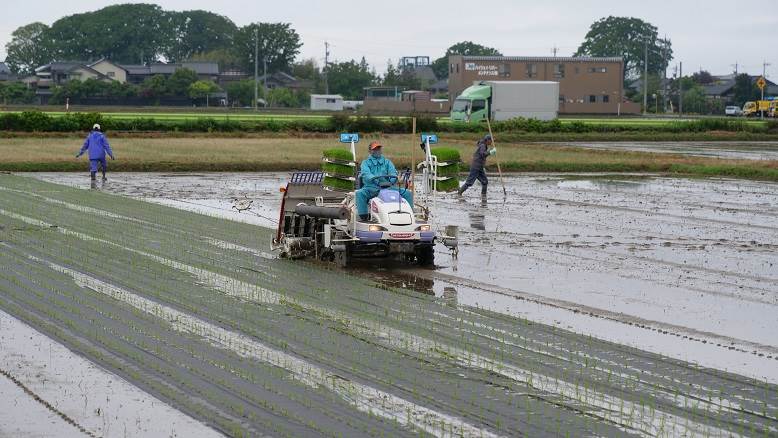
(424, 227)
(376, 228)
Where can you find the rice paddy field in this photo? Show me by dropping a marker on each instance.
(192, 309)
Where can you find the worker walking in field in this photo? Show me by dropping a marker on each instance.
(98, 146)
(482, 151)
(375, 172)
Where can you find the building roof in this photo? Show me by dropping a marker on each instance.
(543, 58)
(62, 66)
(4, 68)
(105, 60)
(327, 96)
(202, 68)
(723, 84)
(424, 72)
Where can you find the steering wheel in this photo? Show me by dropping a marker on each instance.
(385, 184)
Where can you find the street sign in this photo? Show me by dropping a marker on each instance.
(761, 83)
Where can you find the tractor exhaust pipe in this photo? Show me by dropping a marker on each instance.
(322, 212)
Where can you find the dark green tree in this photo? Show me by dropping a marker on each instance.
(29, 48)
(197, 32)
(440, 65)
(349, 78)
(400, 77)
(153, 87)
(178, 83)
(242, 92)
(627, 37)
(278, 43)
(15, 93)
(702, 77)
(226, 58)
(126, 33)
(745, 90)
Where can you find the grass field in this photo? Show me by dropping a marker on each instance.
(284, 153)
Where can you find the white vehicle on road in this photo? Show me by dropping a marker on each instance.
(733, 110)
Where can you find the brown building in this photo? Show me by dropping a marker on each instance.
(586, 85)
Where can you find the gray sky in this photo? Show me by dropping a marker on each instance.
(711, 35)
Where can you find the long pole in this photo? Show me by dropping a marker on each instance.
(496, 158)
(764, 76)
(256, 68)
(413, 158)
(264, 81)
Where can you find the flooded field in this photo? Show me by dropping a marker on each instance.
(746, 150)
(531, 330)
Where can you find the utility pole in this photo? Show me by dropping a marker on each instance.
(256, 67)
(554, 50)
(765, 64)
(326, 64)
(664, 76)
(645, 80)
(680, 89)
(264, 81)
(735, 67)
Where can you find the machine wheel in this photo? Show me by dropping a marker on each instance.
(425, 256)
(343, 258)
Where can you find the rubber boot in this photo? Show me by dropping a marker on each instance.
(104, 178)
(93, 175)
(461, 190)
(483, 190)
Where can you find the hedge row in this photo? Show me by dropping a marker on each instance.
(36, 121)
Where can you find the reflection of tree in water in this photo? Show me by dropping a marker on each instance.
(450, 296)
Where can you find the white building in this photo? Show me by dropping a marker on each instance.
(326, 102)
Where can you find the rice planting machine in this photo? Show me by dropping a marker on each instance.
(318, 216)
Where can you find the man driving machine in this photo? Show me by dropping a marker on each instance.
(377, 172)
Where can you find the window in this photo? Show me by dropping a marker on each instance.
(331, 100)
(559, 71)
(505, 70)
(561, 98)
(110, 74)
(452, 68)
(592, 99)
(532, 70)
(457, 68)
(577, 70)
(478, 105)
(598, 69)
(605, 98)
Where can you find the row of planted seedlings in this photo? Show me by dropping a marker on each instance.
(119, 326)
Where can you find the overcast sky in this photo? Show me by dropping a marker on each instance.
(712, 35)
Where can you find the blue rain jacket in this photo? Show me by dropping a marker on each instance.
(97, 145)
(372, 167)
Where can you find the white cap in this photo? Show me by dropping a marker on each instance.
(96, 127)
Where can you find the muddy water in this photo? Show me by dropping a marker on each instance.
(681, 267)
(759, 150)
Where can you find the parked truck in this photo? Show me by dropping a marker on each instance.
(757, 108)
(503, 100)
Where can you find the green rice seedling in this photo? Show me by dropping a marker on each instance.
(448, 169)
(337, 168)
(336, 183)
(448, 185)
(338, 154)
(446, 155)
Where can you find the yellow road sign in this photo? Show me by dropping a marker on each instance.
(761, 83)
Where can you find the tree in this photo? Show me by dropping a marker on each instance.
(627, 37)
(125, 33)
(308, 70)
(154, 87)
(225, 57)
(29, 48)
(468, 48)
(202, 89)
(197, 32)
(349, 78)
(15, 93)
(242, 92)
(278, 43)
(400, 77)
(702, 77)
(178, 83)
(745, 90)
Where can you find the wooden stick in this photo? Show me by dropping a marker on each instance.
(499, 170)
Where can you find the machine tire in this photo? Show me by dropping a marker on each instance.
(343, 258)
(425, 256)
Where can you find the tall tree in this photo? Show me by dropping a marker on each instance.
(178, 83)
(277, 42)
(29, 48)
(197, 32)
(126, 33)
(440, 65)
(349, 78)
(627, 37)
(400, 77)
(745, 89)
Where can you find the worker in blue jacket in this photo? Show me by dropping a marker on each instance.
(375, 170)
(98, 146)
